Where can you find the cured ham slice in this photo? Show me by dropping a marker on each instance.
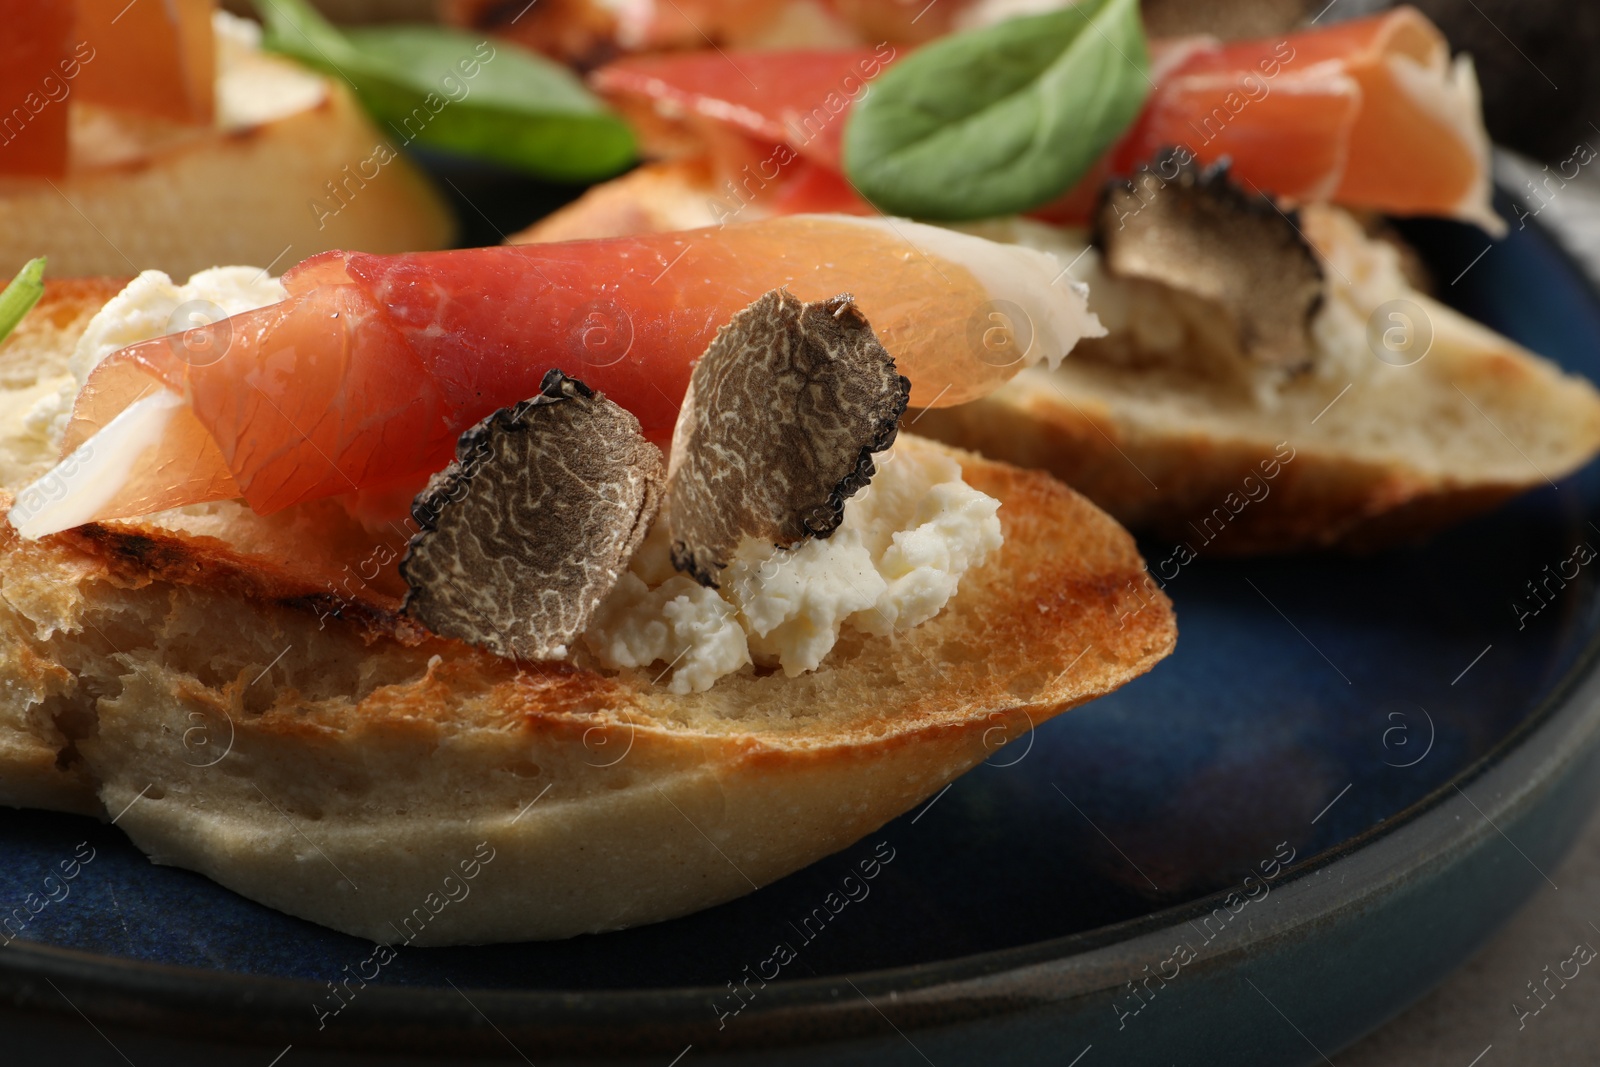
(366, 375)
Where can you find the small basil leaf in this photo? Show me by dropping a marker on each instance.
(20, 296)
(451, 90)
(1002, 119)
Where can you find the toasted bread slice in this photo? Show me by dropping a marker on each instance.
(1382, 452)
(189, 673)
(653, 198)
(142, 194)
(1403, 454)
(1372, 447)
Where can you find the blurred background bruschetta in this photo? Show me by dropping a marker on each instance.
(166, 138)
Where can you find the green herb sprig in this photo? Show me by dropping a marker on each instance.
(20, 296)
(1002, 119)
(461, 93)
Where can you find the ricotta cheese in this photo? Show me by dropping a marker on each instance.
(1364, 273)
(151, 305)
(894, 563)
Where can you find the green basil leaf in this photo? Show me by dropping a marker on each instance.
(461, 93)
(20, 296)
(1001, 119)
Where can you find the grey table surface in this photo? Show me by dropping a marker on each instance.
(1488, 1014)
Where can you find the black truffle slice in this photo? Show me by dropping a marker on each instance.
(528, 529)
(1195, 231)
(783, 414)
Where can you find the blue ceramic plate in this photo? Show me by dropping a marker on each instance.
(1347, 775)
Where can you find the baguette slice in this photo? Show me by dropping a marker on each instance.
(1386, 446)
(341, 769)
(1396, 459)
(144, 195)
(1173, 449)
